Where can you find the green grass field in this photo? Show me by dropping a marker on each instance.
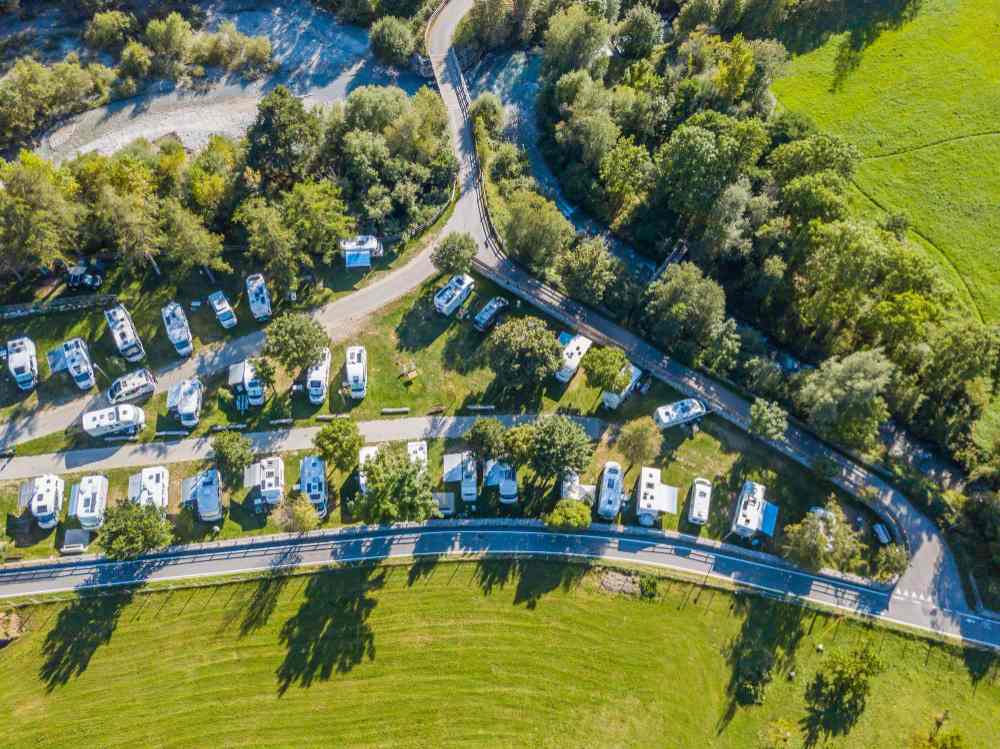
(496, 653)
(920, 101)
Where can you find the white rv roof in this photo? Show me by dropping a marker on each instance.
(456, 284)
(680, 411)
(109, 418)
(355, 364)
(653, 495)
(44, 492)
(320, 368)
(204, 490)
(753, 513)
(219, 302)
(185, 396)
(268, 474)
(76, 355)
(89, 496)
(120, 324)
(150, 486)
(574, 348)
(360, 243)
(20, 352)
(257, 291)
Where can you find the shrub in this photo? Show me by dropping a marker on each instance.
(233, 452)
(649, 586)
(296, 514)
(488, 108)
(568, 514)
(392, 41)
(108, 31)
(136, 61)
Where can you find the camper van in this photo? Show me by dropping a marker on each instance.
(452, 295)
(754, 514)
(150, 486)
(88, 500)
(488, 316)
(178, 330)
(701, 501)
(504, 477)
(260, 300)
(223, 311)
(365, 454)
(116, 420)
(312, 482)
(574, 349)
(266, 478)
(184, 401)
(357, 371)
(318, 378)
(76, 355)
(244, 383)
(43, 496)
(681, 412)
(123, 332)
(203, 493)
(611, 400)
(22, 362)
(133, 385)
(470, 478)
(611, 491)
(653, 497)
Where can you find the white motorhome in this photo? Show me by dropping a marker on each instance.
(653, 497)
(260, 299)
(244, 382)
(754, 514)
(151, 486)
(184, 401)
(357, 371)
(123, 332)
(77, 357)
(504, 477)
(574, 349)
(613, 400)
(470, 478)
(452, 295)
(318, 378)
(178, 330)
(611, 491)
(88, 500)
(701, 501)
(116, 420)
(681, 412)
(223, 310)
(312, 482)
(203, 493)
(417, 452)
(22, 362)
(43, 496)
(131, 386)
(365, 454)
(266, 478)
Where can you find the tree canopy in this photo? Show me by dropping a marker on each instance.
(130, 529)
(397, 490)
(296, 341)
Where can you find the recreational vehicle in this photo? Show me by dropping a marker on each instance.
(701, 501)
(244, 383)
(223, 310)
(133, 385)
(754, 514)
(260, 300)
(150, 486)
(184, 401)
(203, 493)
(504, 477)
(88, 500)
(360, 251)
(116, 420)
(266, 478)
(613, 400)
(681, 412)
(43, 496)
(470, 478)
(653, 497)
(22, 362)
(611, 491)
(178, 330)
(312, 482)
(123, 332)
(488, 316)
(357, 371)
(318, 378)
(452, 295)
(574, 349)
(76, 355)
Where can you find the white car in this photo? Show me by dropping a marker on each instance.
(22, 362)
(452, 295)
(223, 310)
(178, 330)
(701, 501)
(611, 491)
(681, 412)
(133, 385)
(260, 300)
(318, 378)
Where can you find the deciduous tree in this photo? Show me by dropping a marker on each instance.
(397, 490)
(295, 341)
(339, 442)
(130, 529)
(560, 445)
(523, 352)
(453, 254)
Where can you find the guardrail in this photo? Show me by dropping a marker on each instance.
(64, 304)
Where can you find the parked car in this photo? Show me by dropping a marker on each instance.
(490, 314)
(223, 310)
(452, 295)
(80, 277)
(131, 386)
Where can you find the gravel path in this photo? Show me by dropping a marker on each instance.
(321, 61)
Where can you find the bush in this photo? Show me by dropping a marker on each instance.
(454, 253)
(392, 41)
(568, 514)
(296, 514)
(488, 108)
(649, 586)
(136, 61)
(233, 453)
(108, 31)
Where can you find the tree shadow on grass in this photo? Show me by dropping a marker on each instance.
(534, 578)
(981, 664)
(330, 632)
(767, 642)
(267, 591)
(864, 21)
(421, 324)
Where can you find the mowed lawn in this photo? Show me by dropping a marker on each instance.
(920, 102)
(496, 653)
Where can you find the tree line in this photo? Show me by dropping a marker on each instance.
(298, 183)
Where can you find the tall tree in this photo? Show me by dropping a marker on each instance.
(295, 341)
(397, 490)
(640, 441)
(186, 241)
(574, 40)
(535, 231)
(486, 439)
(768, 419)
(684, 310)
(606, 368)
(282, 140)
(317, 218)
(129, 530)
(453, 254)
(560, 445)
(588, 270)
(339, 442)
(272, 242)
(523, 352)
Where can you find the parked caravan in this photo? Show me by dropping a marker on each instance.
(22, 362)
(452, 295)
(611, 491)
(88, 500)
(360, 251)
(312, 482)
(260, 299)
(43, 496)
(124, 334)
(125, 419)
(203, 493)
(184, 401)
(613, 400)
(244, 383)
(318, 378)
(357, 371)
(76, 356)
(266, 478)
(470, 478)
(653, 497)
(754, 514)
(151, 486)
(488, 316)
(365, 454)
(574, 349)
(701, 501)
(131, 386)
(178, 330)
(681, 412)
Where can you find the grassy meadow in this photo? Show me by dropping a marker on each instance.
(494, 653)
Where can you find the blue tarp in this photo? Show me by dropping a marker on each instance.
(360, 259)
(770, 518)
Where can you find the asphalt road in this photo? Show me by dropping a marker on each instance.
(443, 539)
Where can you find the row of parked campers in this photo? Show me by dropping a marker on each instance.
(454, 294)
(266, 481)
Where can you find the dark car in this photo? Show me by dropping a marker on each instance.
(488, 316)
(80, 277)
